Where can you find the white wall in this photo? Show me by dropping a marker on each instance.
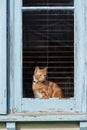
(44, 126)
(48, 126)
(2, 126)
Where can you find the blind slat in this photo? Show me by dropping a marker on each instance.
(48, 3)
(47, 8)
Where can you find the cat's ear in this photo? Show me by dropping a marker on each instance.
(46, 68)
(37, 69)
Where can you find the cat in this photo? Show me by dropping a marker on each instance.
(42, 88)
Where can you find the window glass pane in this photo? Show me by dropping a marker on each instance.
(49, 34)
(48, 2)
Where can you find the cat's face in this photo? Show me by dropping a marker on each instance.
(40, 74)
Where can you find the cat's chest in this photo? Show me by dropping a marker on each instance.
(37, 94)
(39, 90)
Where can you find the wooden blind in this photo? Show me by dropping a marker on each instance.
(48, 37)
(48, 2)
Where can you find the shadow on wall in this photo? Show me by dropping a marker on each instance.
(48, 126)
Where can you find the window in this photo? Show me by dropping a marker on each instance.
(47, 30)
(3, 57)
(48, 40)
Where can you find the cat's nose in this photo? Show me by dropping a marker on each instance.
(43, 77)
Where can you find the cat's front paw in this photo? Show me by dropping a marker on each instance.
(45, 95)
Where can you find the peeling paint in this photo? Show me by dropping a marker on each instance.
(43, 117)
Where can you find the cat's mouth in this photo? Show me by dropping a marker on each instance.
(39, 81)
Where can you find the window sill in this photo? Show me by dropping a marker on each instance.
(43, 116)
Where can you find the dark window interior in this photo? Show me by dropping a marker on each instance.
(47, 2)
(49, 33)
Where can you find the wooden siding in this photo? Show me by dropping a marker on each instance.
(3, 67)
(44, 117)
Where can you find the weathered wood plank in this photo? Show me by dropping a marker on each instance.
(29, 117)
(79, 56)
(3, 68)
(48, 105)
(85, 42)
(16, 56)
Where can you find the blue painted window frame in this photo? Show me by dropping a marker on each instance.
(3, 68)
(76, 104)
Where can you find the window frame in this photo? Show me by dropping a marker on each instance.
(3, 68)
(76, 104)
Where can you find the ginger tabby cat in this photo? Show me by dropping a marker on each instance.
(42, 88)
